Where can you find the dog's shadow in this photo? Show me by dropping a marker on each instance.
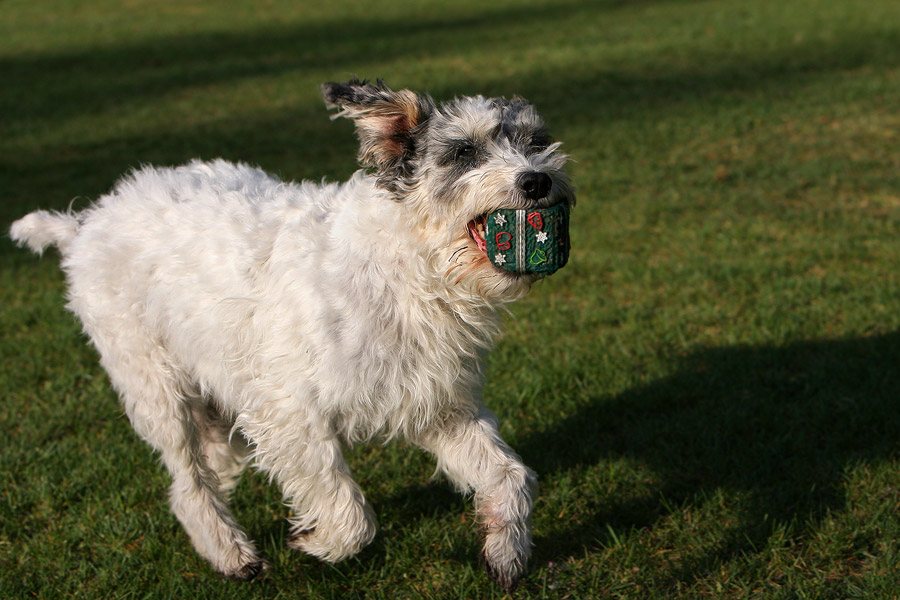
(776, 428)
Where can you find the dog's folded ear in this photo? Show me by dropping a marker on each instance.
(386, 121)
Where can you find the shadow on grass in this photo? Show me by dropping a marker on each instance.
(79, 82)
(778, 425)
(61, 84)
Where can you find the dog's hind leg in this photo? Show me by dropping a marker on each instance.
(475, 458)
(159, 406)
(331, 519)
(223, 451)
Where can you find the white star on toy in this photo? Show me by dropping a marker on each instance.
(500, 219)
(541, 236)
(499, 259)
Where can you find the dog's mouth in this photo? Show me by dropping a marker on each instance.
(476, 231)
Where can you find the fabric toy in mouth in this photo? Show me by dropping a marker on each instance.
(534, 240)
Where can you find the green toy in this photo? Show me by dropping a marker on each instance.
(528, 241)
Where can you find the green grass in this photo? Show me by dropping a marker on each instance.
(708, 391)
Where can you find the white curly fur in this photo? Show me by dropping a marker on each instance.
(243, 319)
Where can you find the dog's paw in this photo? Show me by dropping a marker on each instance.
(505, 574)
(249, 571)
(507, 547)
(338, 539)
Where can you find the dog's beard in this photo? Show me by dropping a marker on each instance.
(469, 271)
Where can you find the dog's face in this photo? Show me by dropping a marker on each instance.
(451, 165)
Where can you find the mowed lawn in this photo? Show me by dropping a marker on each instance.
(709, 392)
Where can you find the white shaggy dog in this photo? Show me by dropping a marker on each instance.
(243, 319)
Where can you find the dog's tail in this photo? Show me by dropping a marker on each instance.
(43, 228)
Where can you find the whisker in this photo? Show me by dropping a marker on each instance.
(452, 256)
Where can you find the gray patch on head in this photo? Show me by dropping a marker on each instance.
(462, 134)
(458, 140)
(510, 116)
(457, 157)
(521, 125)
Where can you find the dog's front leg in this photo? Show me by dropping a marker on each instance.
(331, 519)
(475, 457)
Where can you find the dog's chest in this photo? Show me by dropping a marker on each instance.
(387, 362)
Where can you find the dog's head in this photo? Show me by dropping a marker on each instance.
(451, 165)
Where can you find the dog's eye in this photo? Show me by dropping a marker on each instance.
(539, 142)
(466, 151)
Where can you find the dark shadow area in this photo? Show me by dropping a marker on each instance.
(58, 85)
(779, 425)
(50, 86)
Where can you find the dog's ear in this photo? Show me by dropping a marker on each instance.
(386, 121)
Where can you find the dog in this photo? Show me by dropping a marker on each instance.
(243, 320)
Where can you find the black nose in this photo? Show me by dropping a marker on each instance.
(534, 184)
